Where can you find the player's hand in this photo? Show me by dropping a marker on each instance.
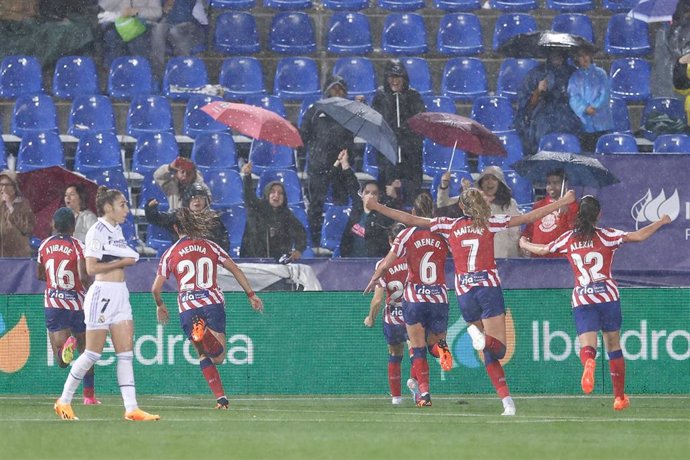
(257, 303)
(370, 287)
(665, 219)
(369, 321)
(162, 314)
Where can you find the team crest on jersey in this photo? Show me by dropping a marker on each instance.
(95, 245)
(548, 223)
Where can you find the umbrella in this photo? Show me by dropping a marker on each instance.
(654, 10)
(255, 122)
(579, 169)
(45, 189)
(540, 43)
(364, 122)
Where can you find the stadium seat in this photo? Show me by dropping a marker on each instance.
(73, 76)
(265, 155)
(158, 238)
(359, 74)
(621, 116)
(419, 74)
(510, 24)
(268, 102)
(513, 5)
(301, 214)
(404, 34)
(616, 143)
(626, 36)
(457, 5)
(236, 33)
(98, 151)
(150, 190)
(20, 75)
(111, 178)
(235, 220)
(494, 112)
(370, 163)
(91, 114)
(233, 4)
(570, 5)
(513, 145)
(630, 79)
(669, 106)
(436, 158)
(39, 150)
(345, 5)
(130, 76)
(289, 179)
(574, 23)
(288, 5)
(3, 155)
(464, 79)
(459, 34)
(296, 78)
(241, 77)
(510, 76)
(212, 151)
(349, 33)
(149, 114)
(184, 76)
(196, 122)
(522, 189)
(292, 33)
(560, 142)
(619, 6)
(225, 186)
(401, 5)
(439, 104)
(307, 102)
(672, 143)
(153, 150)
(35, 113)
(335, 221)
(455, 186)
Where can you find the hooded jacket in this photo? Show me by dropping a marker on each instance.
(15, 226)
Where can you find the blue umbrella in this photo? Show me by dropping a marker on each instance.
(579, 169)
(364, 122)
(654, 10)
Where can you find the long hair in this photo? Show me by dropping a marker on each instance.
(83, 195)
(195, 224)
(503, 196)
(423, 205)
(104, 196)
(473, 204)
(587, 216)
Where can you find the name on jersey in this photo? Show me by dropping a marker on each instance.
(464, 230)
(427, 242)
(592, 288)
(192, 248)
(59, 248)
(397, 268)
(582, 245)
(425, 289)
(193, 295)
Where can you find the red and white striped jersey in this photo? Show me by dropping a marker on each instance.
(194, 264)
(60, 256)
(393, 281)
(591, 261)
(472, 250)
(426, 255)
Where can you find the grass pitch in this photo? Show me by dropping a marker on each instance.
(350, 427)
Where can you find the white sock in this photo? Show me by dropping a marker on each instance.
(125, 379)
(508, 402)
(76, 374)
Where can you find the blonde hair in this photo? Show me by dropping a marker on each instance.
(474, 206)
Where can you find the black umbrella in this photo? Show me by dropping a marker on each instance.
(540, 43)
(580, 170)
(364, 122)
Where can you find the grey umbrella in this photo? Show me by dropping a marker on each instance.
(579, 169)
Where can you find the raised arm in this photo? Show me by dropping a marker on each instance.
(538, 249)
(645, 232)
(399, 216)
(536, 214)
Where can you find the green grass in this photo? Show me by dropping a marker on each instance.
(351, 427)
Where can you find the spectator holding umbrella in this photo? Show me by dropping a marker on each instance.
(16, 218)
(175, 178)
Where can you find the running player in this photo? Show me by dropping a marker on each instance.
(477, 284)
(193, 261)
(61, 265)
(595, 300)
(106, 305)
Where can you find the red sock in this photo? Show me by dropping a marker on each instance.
(211, 375)
(394, 378)
(211, 344)
(587, 353)
(617, 369)
(498, 379)
(420, 368)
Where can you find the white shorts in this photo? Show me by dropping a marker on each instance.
(106, 303)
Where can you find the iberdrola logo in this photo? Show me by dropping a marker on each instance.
(461, 344)
(15, 346)
(650, 208)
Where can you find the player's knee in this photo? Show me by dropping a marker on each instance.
(125, 355)
(219, 358)
(395, 359)
(500, 351)
(92, 356)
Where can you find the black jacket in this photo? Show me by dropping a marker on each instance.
(219, 234)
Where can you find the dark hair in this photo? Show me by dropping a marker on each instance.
(503, 196)
(64, 221)
(587, 216)
(195, 224)
(370, 182)
(556, 172)
(395, 229)
(83, 195)
(424, 205)
(104, 196)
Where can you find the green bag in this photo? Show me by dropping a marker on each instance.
(129, 28)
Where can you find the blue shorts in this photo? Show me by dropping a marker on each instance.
(395, 333)
(59, 319)
(432, 316)
(481, 302)
(213, 315)
(594, 317)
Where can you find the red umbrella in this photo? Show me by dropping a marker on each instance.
(45, 189)
(457, 131)
(255, 122)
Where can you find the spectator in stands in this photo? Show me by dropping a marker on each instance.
(589, 92)
(17, 220)
(543, 106)
(551, 226)
(324, 140)
(397, 102)
(671, 45)
(76, 198)
(197, 198)
(174, 179)
(272, 229)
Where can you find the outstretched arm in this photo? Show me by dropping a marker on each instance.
(378, 273)
(536, 214)
(256, 303)
(538, 249)
(161, 310)
(400, 216)
(374, 307)
(645, 232)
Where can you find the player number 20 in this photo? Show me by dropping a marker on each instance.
(201, 272)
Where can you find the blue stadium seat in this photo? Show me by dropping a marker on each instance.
(370, 163)
(560, 142)
(621, 116)
(225, 186)
(73, 76)
(626, 36)
(459, 34)
(359, 74)
(570, 5)
(20, 75)
(335, 221)
(296, 78)
(630, 79)
(672, 143)
(235, 220)
(511, 74)
(574, 23)
(404, 34)
(39, 150)
(307, 102)
(91, 114)
(510, 24)
(662, 105)
(289, 179)
(419, 74)
(619, 6)
(464, 79)
(196, 122)
(98, 151)
(213, 151)
(522, 189)
(265, 155)
(130, 76)
(288, 5)
(514, 5)
(513, 145)
(292, 33)
(111, 178)
(268, 102)
(345, 5)
(35, 113)
(233, 4)
(241, 77)
(401, 5)
(455, 186)
(158, 238)
(439, 104)
(182, 74)
(129, 230)
(149, 114)
(616, 143)
(349, 33)
(153, 150)
(436, 158)
(457, 5)
(301, 214)
(3, 155)
(236, 33)
(494, 112)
